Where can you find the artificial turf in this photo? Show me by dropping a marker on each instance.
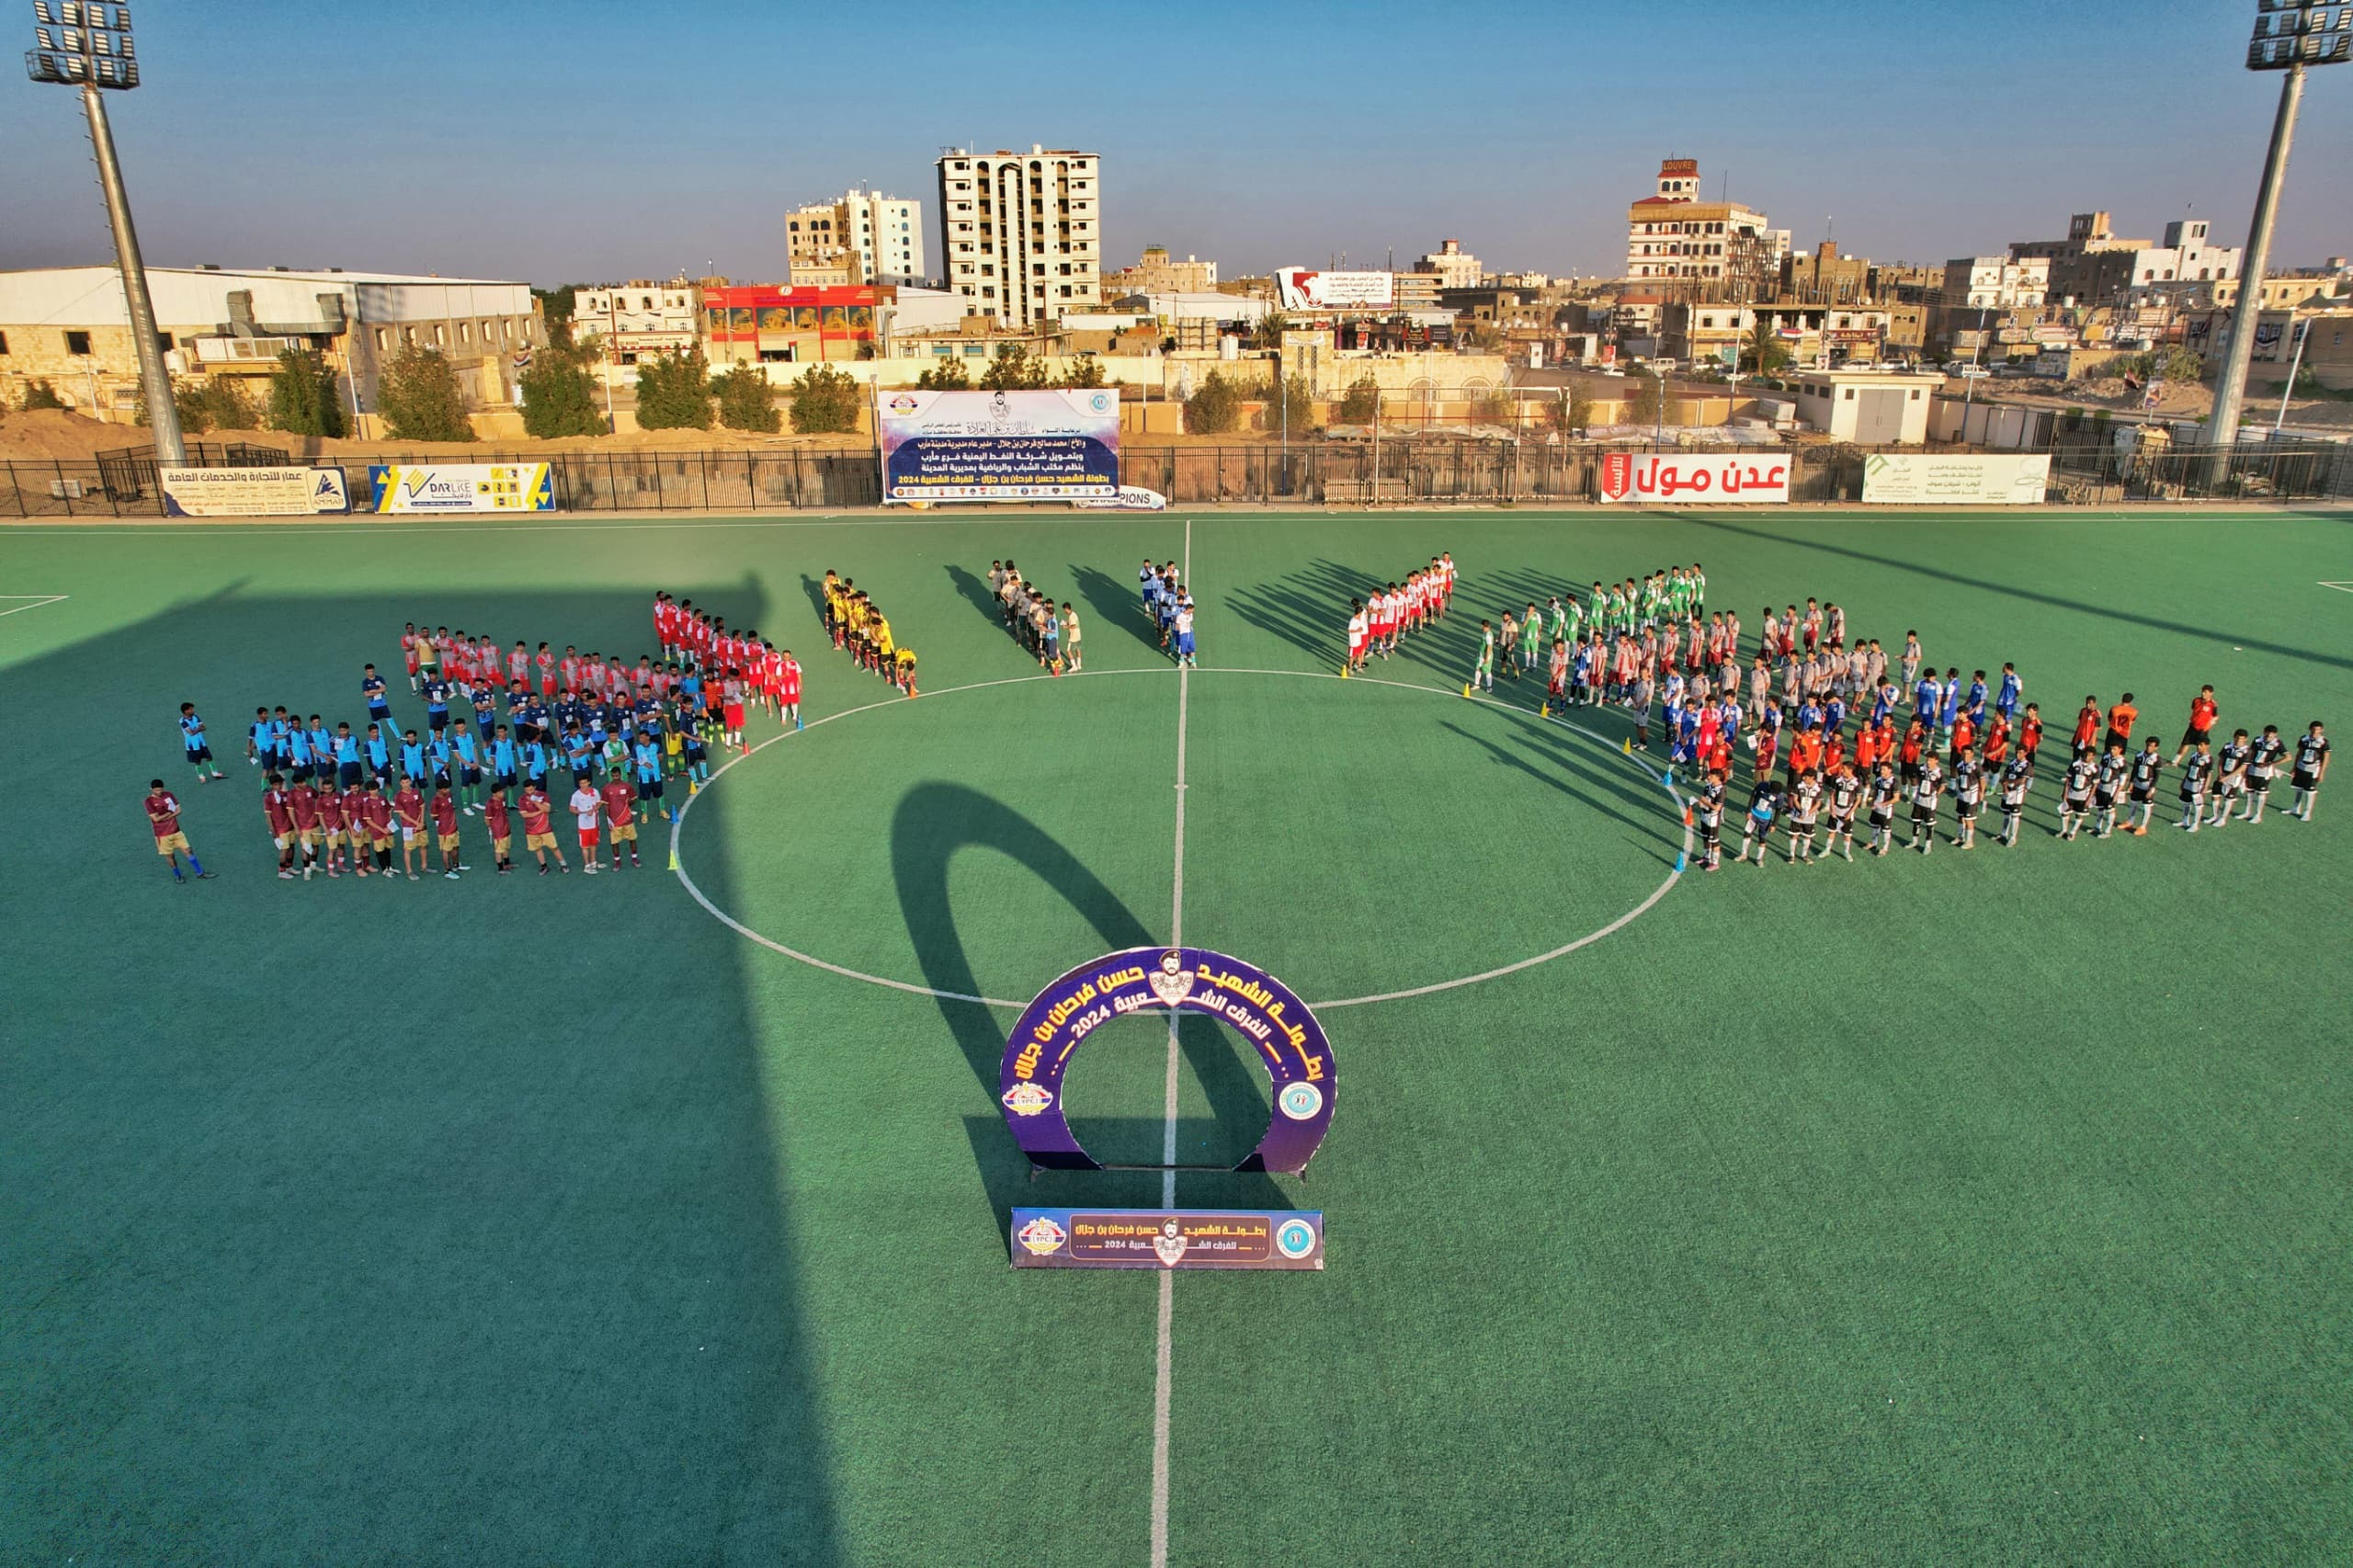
(1989, 1207)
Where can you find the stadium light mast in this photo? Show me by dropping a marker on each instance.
(2288, 36)
(88, 45)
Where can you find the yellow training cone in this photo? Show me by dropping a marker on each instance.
(1544, 711)
(1627, 745)
(673, 859)
(1466, 688)
(1343, 671)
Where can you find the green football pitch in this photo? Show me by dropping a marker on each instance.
(1986, 1207)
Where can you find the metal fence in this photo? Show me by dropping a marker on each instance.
(1419, 470)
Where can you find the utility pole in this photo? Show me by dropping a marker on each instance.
(90, 47)
(2288, 36)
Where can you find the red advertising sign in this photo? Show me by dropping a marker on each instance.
(1739, 478)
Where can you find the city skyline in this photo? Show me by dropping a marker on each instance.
(515, 160)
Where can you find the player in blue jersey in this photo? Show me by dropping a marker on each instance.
(200, 749)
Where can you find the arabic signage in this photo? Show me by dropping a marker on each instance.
(1001, 445)
(461, 487)
(1130, 498)
(1974, 479)
(1167, 1238)
(1741, 477)
(1290, 1044)
(1306, 289)
(252, 492)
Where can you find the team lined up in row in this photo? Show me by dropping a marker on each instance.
(1376, 621)
(1049, 632)
(859, 627)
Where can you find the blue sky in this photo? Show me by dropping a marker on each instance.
(595, 140)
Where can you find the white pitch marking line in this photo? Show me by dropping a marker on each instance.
(1164, 1356)
(39, 601)
(2340, 587)
(744, 931)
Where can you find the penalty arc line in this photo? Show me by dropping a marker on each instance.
(695, 891)
(40, 601)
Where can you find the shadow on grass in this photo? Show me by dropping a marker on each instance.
(476, 1254)
(934, 822)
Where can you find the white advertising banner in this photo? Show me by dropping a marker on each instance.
(1956, 478)
(1306, 289)
(252, 492)
(1001, 445)
(1741, 477)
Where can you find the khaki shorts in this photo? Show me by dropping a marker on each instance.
(538, 841)
(624, 833)
(498, 845)
(449, 843)
(171, 841)
(282, 840)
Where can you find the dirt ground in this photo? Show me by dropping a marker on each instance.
(2178, 400)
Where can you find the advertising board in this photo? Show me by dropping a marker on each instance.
(1308, 288)
(460, 487)
(1001, 445)
(1958, 478)
(253, 491)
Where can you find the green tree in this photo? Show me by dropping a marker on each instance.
(1484, 335)
(1293, 401)
(40, 395)
(824, 402)
(1083, 374)
(217, 404)
(1362, 402)
(1764, 354)
(1644, 399)
(747, 400)
(1495, 407)
(304, 396)
(1214, 408)
(1013, 370)
(420, 400)
(674, 392)
(946, 375)
(559, 389)
(555, 308)
(1270, 329)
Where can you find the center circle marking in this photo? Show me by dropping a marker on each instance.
(696, 893)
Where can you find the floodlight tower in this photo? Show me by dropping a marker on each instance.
(80, 43)
(2288, 36)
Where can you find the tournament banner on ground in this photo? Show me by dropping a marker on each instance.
(461, 487)
(1167, 1238)
(1001, 445)
(1742, 478)
(253, 491)
(1290, 1044)
(1956, 479)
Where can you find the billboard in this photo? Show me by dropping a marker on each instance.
(252, 492)
(1970, 479)
(1741, 477)
(1305, 289)
(461, 487)
(1001, 445)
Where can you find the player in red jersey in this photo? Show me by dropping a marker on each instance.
(1997, 745)
(277, 811)
(355, 829)
(303, 801)
(502, 829)
(445, 832)
(569, 667)
(788, 689)
(620, 815)
(539, 829)
(2029, 732)
(409, 807)
(2087, 726)
(330, 825)
(163, 822)
(378, 815)
(732, 710)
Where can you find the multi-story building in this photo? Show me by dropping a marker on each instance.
(1979, 309)
(750, 324)
(2094, 265)
(1700, 333)
(1826, 276)
(68, 325)
(1454, 267)
(857, 237)
(1157, 273)
(640, 316)
(1021, 233)
(2330, 282)
(1415, 290)
(1706, 249)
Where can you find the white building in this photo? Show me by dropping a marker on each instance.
(1998, 282)
(1871, 408)
(1454, 267)
(1020, 234)
(886, 232)
(638, 317)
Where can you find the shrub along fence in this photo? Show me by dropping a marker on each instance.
(1431, 470)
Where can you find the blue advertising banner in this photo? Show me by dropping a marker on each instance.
(1169, 1238)
(1290, 1044)
(1001, 445)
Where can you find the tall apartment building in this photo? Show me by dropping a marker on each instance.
(1707, 248)
(1020, 234)
(1455, 268)
(856, 238)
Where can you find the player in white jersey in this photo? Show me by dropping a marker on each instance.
(1360, 632)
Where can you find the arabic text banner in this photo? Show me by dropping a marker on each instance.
(1958, 479)
(461, 487)
(1740, 478)
(252, 492)
(1001, 445)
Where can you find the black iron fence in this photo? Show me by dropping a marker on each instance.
(1435, 470)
